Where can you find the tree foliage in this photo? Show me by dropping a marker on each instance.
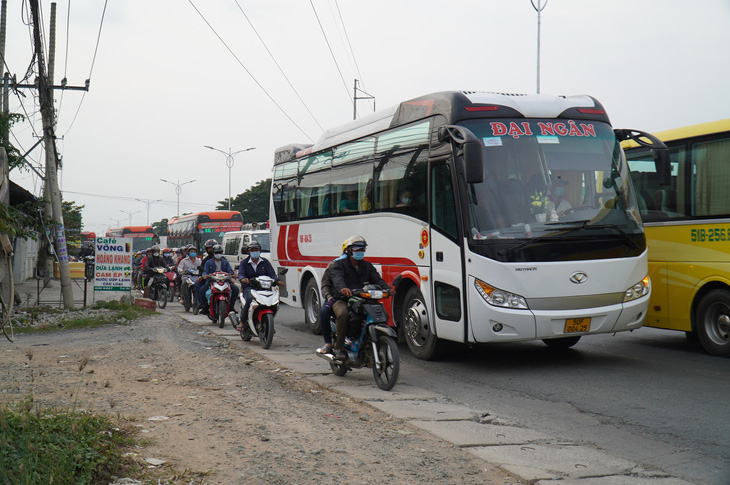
(72, 221)
(14, 156)
(23, 220)
(253, 204)
(160, 227)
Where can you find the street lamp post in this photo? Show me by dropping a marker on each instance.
(538, 8)
(178, 190)
(130, 213)
(148, 203)
(229, 163)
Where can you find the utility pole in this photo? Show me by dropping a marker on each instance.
(45, 90)
(4, 136)
(130, 214)
(229, 164)
(355, 97)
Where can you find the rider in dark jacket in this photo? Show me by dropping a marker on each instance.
(154, 260)
(250, 268)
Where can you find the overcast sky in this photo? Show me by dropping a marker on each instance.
(164, 85)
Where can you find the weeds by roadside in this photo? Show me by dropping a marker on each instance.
(44, 319)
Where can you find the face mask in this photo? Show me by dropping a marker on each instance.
(559, 191)
(167, 255)
(155, 254)
(218, 256)
(192, 255)
(406, 200)
(255, 254)
(358, 255)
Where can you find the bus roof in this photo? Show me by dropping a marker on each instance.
(132, 229)
(210, 216)
(690, 131)
(455, 106)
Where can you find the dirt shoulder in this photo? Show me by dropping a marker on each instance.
(224, 413)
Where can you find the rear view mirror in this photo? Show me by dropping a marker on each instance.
(471, 150)
(659, 151)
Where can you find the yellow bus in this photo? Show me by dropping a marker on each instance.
(687, 227)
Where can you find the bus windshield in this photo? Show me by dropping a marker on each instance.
(553, 190)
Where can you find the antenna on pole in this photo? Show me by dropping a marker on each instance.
(538, 8)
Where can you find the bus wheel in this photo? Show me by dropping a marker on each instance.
(416, 327)
(713, 323)
(561, 343)
(312, 306)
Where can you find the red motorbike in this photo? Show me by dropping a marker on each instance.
(171, 275)
(219, 296)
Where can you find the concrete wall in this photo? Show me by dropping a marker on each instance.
(25, 259)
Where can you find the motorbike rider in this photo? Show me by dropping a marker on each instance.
(201, 282)
(142, 279)
(192, 261)
(217, 263)
(153, 261)
(351, 273)
(250, 268)
(167, 255)
(325, 313)
(87, 249)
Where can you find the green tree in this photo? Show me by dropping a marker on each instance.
(253, 204)
(72, 221)
(14, 156)
(160, 227)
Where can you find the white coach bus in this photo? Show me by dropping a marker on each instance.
(510, 217)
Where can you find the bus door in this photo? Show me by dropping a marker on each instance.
(446, 281)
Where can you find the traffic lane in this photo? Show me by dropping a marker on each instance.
(632, 394)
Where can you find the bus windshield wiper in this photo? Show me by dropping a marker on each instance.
(571, 226)
(584, 225)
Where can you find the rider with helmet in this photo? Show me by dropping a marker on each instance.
(325, 313)
(200, 283)
(351, 273)
(167, 255)
(216, 264)
(152, 261)
(250, 268)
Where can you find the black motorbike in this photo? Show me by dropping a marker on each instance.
(159, 286)
(370, 342)
(89, 262)
(187, 290)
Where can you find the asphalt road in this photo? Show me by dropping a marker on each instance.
(648, 396)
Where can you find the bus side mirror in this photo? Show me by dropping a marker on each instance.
(471, 150)
(659, 151)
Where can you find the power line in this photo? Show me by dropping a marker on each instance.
(347, 90)
(277, 65)
(349, 45)
(121, 197)
(249, 72)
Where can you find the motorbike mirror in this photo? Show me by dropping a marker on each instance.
(397, 280)
(283, 270)
(244, 250)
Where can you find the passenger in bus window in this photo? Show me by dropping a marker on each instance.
(349, 203)
(557, 202)
(406, 199)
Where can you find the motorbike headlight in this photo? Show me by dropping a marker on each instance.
(638, 290)
(496, 297)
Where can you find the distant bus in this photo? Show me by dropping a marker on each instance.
(197, 228)
(688, 232)
(87, 236)
(143, 236)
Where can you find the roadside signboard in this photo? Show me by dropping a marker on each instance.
(113, 269)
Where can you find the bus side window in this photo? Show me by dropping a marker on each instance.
(658, 202)
(710, 177)
(443, 207)
(352, 187)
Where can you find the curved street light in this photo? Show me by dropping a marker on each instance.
(178, 189)
(229, 164)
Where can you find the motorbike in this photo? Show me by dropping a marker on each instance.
(218, 295)
(89, 262)
(264, 305)
(171, 274)
(370, 342)
(159, 286)
(187, 290)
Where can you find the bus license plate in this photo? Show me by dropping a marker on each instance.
(577, 325)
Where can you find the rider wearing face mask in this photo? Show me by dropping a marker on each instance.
(250, 268)
(348, 274)
(152, 261)
(213, 265)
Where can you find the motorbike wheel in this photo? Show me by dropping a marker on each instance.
(222, 311)
(171, 293)
(194, 302)
(387, 374)
(161, 298)
(267, 330)
(338, 369)
(186, 301)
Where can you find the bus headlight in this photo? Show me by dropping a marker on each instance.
(638, 290)
(496, 297)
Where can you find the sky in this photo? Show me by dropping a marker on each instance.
(169, 77)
